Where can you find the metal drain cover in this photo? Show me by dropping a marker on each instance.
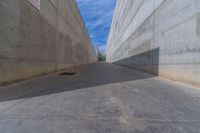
(67, 73)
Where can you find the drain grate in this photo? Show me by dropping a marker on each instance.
(67, 73)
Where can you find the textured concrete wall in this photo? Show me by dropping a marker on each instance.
(158, 36)
(35, 42)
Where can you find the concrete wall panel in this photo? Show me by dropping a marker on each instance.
(160, 37)
(35, 42)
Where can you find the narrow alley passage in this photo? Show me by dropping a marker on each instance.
(99, 98)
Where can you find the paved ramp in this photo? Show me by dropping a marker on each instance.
(100, 98)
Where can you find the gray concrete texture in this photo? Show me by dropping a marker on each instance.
(157, 36)
(35, 42)
(118, 100)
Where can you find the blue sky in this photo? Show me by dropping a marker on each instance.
(97, 15)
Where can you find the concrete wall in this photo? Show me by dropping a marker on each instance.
(157, 36)
(35, 42)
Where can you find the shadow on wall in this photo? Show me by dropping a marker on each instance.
(147, 61)
(87, 76)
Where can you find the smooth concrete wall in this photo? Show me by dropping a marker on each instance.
(35, 42)
(157, 36)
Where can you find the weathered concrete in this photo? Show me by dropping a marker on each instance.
(158, 36)
(35, 42)
(118, 100)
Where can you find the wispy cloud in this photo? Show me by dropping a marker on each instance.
(97, 15)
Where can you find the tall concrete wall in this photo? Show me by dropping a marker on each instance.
(157, 36)
(35, 42)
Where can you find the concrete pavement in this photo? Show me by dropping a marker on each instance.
(100, 98)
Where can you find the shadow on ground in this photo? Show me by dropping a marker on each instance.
(87, 76)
